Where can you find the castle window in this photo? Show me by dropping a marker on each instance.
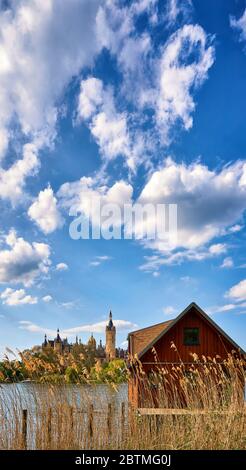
(191, 336)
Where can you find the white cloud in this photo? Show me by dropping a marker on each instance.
(186, 279)
(240, 25)
(221, 309)
(116, 31)
(209, 202)
(43, 45)
(96, 107)
(238, 291)
(90, 328)
(235, 228)
(61, 267)
(179, 76)
(17, 297)
(153, 263)
(80, 196)
(169, 310)
(47, 298)
(68, 305)
(142, 6)
(45, 213)
(22, 262)
(177, 10)
(12, 180)
(227, 263)
(99, 260)
(156, 274)
(217, 248)
(166, 82)
(90, 97)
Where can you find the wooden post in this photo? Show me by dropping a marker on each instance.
(131, 419)
(109, 419)
(90, 421)
(24, 429)
(123, 409)
(49, 427)
(71, 418)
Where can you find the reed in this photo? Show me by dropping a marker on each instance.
(64, 417)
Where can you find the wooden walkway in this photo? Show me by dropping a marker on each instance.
(182, 412)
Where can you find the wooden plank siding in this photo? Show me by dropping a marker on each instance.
(211, 342)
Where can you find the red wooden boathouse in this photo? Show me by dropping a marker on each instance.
(193, 331)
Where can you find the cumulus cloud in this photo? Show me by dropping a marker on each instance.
(45, 213)
(81, 197)
(109, 128)
(13, 179)
(21, 261)
(17, 297)
(90, 328)
(167, 81)
(238, 291)
(209, 202)
(116, 31)
(61, 267)
(183, 67)
(42, 46)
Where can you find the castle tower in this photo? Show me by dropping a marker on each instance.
(58, 342)
(45, 343)
(110, 339)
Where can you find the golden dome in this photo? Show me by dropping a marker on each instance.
(92, 341)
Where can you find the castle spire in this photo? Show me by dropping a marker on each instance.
(110, 322)
(58, 335)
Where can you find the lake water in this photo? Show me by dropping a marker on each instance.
(27, 395)
(61, 402)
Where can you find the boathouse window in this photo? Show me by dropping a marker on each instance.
(191, 336)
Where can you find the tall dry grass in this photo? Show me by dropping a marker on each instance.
(60, 417)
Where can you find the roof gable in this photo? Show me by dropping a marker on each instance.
(140, 339)
(157, 333)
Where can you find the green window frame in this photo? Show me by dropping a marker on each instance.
(191, 337)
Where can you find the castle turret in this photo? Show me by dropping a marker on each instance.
(110, 339)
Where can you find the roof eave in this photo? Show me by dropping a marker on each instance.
(192, 304)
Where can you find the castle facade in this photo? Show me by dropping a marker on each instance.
(100, 352)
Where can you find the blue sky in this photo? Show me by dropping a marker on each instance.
(140, 101)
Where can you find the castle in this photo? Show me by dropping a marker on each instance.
(100, 353)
